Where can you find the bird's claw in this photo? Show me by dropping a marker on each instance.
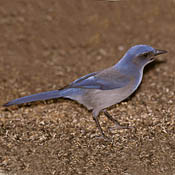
(122, 127)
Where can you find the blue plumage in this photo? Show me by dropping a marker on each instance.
(99, 90)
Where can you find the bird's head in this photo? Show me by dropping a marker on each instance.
(141, 55)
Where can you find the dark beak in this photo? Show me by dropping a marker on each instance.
(158, 52)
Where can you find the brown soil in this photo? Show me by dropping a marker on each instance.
(44, 45)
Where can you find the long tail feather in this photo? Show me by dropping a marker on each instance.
(35, 97)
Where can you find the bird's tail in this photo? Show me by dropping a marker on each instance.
(35, 97)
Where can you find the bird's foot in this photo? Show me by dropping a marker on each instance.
(117, 126)
(103, 137)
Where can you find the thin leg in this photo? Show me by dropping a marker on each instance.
(115, 121)
(98, 125)
(96, 118)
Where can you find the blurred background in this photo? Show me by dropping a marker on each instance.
(44, 45)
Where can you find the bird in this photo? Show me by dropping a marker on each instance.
(99, 90)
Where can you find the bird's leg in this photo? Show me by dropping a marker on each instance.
(118, 126)
(96, 119)
(98, 125)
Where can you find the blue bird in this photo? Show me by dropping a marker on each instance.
(99, 90)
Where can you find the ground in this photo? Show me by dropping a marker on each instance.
(44, 45)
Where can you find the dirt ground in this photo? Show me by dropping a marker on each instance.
(44, 45)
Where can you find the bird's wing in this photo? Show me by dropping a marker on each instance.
(85, 77)
(105, 80)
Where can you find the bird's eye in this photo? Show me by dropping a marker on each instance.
(145, 54)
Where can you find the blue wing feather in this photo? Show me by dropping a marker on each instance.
(105, 80)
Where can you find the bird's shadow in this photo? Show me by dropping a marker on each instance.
(153, 65)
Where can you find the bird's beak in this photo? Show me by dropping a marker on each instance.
(158, 52)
